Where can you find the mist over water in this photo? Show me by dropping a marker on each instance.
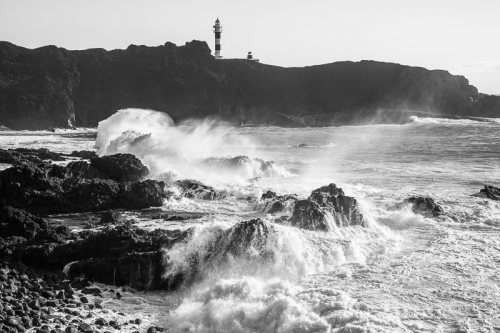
(207, 150)
(402, 273)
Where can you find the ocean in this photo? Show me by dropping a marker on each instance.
(402, 273)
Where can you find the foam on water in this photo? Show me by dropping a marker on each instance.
(206, 150)
(403, 273)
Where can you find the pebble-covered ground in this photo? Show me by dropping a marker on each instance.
(46, 303)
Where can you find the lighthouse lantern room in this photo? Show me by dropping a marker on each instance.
(217, 31)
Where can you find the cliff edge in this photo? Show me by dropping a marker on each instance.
(54, 87)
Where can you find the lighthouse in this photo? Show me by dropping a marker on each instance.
(217, 31)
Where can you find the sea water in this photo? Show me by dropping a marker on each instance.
(402, 273)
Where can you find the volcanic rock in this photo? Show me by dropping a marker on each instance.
(121, 167)
(110, 216)
(490, 192)
(325, 205)
(268, 195)
(280, 203)
(245, 240)
(122, 256)
(425, 206)
(197, 190)
(54, 87)
(80, 186)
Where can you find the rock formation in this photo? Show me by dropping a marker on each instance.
(490, 192)
(425, 206)
(325, 205)
(42, 187)
(196, 190)
(53, 87)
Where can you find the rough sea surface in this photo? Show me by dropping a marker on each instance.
(403, 273)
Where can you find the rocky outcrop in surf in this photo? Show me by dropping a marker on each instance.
(279, 203)
(246, 240)
(20, 155)
(42, 187)
(53, 87)
(196, 190)
(490, 192)
(425, 206)
(326, 208)
(118, 254)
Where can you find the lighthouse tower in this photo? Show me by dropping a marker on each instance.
(217, 31)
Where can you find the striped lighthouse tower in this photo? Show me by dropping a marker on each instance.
(217, 31)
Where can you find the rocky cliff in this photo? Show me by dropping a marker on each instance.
(54, 87)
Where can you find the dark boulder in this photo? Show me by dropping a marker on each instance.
(110, 217)
(425, 206)
(246, 240)
(327, 205)
(85, 154)
(490, 192)
(20, 155)
(281, 203)
(121, 167)
(268, 195)
(148, 193)
(122, 255)
(48, 188)
(17, 222)
(196, 190)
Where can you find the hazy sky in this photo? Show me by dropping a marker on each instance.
(462, 36)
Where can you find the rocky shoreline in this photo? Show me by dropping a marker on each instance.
(43, 302)
(48, 268)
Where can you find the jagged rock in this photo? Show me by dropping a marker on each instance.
(245, 240)
(110, 216)
(425, 206)
(121, 167)
(19, 155)
(490, 192)
(122, 255)
(197, 190)
(268, 195)
(86, 154)
(326, 202)
(17, 222)
(280, 203)
(148, 193)
(80, 186)
(177, 216)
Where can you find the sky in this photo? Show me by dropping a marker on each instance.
(461, 36)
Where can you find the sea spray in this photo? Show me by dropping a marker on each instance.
(206, 150)
(247, 304)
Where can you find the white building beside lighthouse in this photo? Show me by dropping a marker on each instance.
(217, 31)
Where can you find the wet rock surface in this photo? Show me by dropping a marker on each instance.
(42, 187)
(325, 204)
(20, 155)
(280, 203)
(425, 206)
(229, 244)
(120, 167)
(38, 301)
(490, 192)
(196, 190)
(118, 254)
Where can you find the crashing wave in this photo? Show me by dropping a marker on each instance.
(447, 121)
(245, 167)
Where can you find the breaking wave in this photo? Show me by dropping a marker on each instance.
(248, 277)
(445, 121)
(207, 150)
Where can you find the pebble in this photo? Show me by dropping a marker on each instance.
(35, 303)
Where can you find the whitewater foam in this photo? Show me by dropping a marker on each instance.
(197, 149)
